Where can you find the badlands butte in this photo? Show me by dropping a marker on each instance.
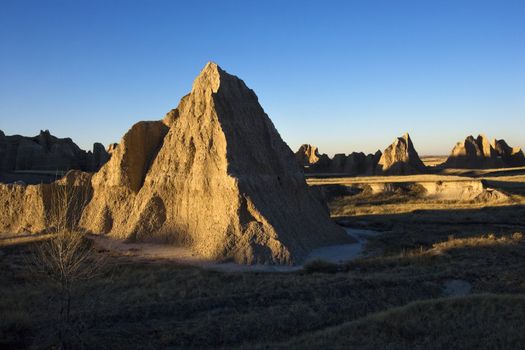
(215, 176)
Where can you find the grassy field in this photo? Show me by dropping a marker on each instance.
(401, 296)
(456, 323)
(134, 305)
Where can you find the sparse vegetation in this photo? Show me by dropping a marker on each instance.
(166, 305)
(393, 294)
(483, 321)
(66, 258)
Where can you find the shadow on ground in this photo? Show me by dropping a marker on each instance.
(426, 227)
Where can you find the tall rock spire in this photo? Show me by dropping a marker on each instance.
(221, 181)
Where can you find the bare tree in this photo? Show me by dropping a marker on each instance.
(68, 258)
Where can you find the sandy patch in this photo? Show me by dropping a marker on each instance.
(163, 252)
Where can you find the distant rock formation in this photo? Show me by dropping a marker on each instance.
(308, 156)
(511, 156)
(481, 153)
(214, 175)
(400, 158)
(49, 153)
(353, 164)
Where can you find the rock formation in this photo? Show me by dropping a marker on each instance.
(480, 153)
(400, 158)
(308, 155)
(511, 156)
(111, 148)
(214, 175)
(49, 153)
(29, 208)
(353, 164)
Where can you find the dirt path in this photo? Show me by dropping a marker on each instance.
(163, 252)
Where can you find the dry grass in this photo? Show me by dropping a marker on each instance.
(476, 322)
(360, 203)
(139, 305)
(481, 241)
(391, 300)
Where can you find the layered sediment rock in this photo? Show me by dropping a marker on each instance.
(400, 158)
(511, 156)
(30, 208)
(356, 163)
(308, 155)
(481, 153)
(46, 152)
(214, 175)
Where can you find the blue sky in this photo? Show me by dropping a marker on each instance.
(344, 75)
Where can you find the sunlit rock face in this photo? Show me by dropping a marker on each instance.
(400, 158)
(308, 155)
(481, 153)
(213, 175)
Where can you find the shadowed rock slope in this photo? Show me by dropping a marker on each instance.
(46, 152)
(400, 158)
(214, 175)
(481, 153)
(308, 155)
(356, 163)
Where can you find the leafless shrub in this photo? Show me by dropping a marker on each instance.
(67, 258)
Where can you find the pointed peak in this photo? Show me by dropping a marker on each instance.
(211, 68)
(483, 137)
(469, 139)
(211, 65)
(209, 77)
(405, 139)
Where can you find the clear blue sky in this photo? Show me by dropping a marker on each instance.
(344, 75)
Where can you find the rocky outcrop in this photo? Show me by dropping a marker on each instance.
(400, 158)
(511, 156)
(111, 148)
(481, 153)
(353, 164)
(308, 155)
(30, 208)
(46, 152)
(213, 175)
